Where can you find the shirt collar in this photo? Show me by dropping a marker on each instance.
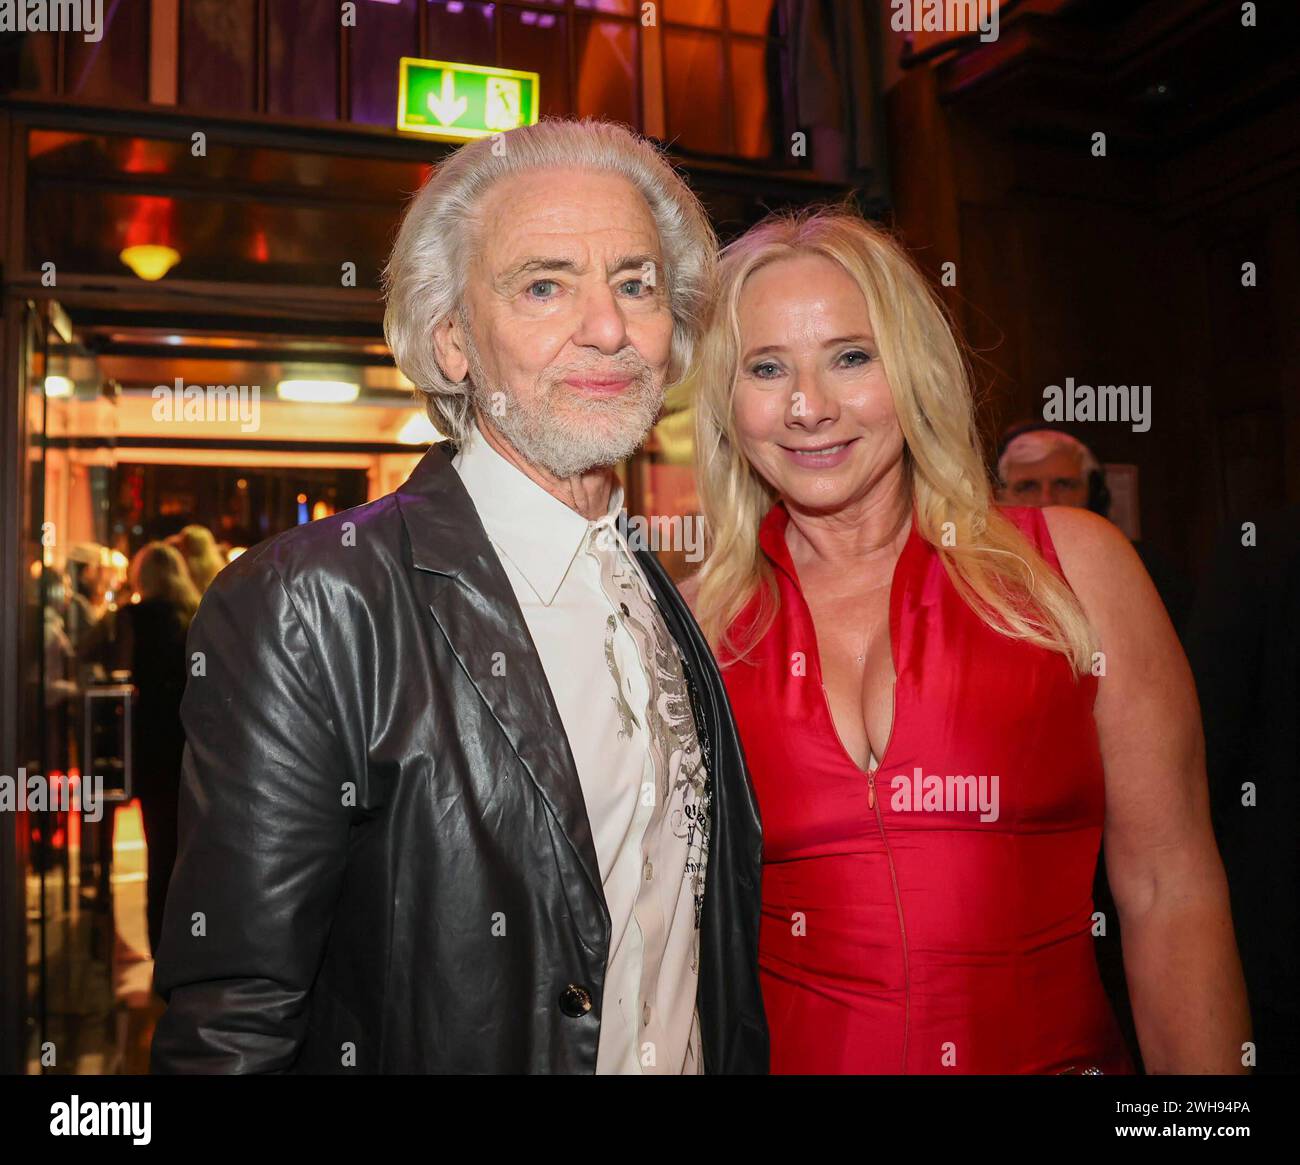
(534, 529)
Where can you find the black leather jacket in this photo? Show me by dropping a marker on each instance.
(385, 863)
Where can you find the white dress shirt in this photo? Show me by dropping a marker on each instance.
(617, 680)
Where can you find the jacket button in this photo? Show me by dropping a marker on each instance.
(575, 1000)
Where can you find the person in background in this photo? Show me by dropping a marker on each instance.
(1041, 465)
(198, 548)
(86, 595)
(1245, 653)
(60, 666)
(150, 641)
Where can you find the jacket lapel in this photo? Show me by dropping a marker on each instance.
(467, 591)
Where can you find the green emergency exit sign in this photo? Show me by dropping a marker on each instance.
(456, 101)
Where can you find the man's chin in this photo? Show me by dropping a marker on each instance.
(576, 453)
(571, 434)
(611, 436)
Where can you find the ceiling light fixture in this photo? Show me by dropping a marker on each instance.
(318, 392)
(150, 261)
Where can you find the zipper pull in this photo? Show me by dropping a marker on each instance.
(871, 790)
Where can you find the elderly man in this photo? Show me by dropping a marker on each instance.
(1039, 465)
(1042, 465)
(462, 791)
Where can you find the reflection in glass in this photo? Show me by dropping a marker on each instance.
(384, 33)
(761, 17)
(613, 7)
(116, 67)
(607, 70)
(755, 79)
(302, 59)
(538, 42)
(707, 13)
(217, 55)
(460, 30)
(694, 96)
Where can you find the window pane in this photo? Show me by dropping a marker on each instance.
(607, 70)
(763, 17)
(302, 58)
(616, 7)
(217, 54)
(91, 195)
(704, 12)
(462, 31)
(115, 68)
(34, 56)
(385, 31)
(756, 88)
(537, 42)
(693, 91)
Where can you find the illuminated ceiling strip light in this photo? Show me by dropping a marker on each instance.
(318, 391)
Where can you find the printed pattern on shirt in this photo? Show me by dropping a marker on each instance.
(678, 756)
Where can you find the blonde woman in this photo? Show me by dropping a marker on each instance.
(150, 641)
(944, 705)
(202, 557)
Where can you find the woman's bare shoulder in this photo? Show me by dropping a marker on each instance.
(1102, 568)
(1086, 542)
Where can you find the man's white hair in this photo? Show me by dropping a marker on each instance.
(424, 281)
(1030, 448)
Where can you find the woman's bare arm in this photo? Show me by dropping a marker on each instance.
(1180, 954)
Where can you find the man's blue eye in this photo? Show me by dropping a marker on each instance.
(532, 288)
(639, 287)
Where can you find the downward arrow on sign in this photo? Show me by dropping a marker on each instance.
(448, 107)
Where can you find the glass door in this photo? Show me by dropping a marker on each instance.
(75, 745)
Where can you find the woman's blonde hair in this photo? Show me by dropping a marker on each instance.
(198, 548)
(993, 566)
(159, 572)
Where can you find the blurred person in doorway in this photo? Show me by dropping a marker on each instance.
(86, 601)
(198, 547)
(150, 642)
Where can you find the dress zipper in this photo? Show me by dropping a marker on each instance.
(898, 905)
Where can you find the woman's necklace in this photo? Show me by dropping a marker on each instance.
(866, 630)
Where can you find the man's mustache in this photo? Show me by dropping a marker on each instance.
(631, 365)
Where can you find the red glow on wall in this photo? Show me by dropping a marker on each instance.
(151, 222)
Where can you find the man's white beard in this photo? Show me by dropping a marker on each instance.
(562, 431)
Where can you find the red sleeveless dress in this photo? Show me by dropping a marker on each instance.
(936, 916)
